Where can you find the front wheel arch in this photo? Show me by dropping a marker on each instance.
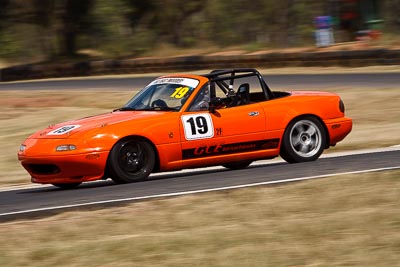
(157, 163)
(107, 173)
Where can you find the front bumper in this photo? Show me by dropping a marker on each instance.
(71, 168)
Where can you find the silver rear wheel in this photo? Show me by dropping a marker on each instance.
(304, 140)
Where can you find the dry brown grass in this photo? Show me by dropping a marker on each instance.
(24, 112)
(351, 220)
(376, 115)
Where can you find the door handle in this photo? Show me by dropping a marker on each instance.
(254, 113)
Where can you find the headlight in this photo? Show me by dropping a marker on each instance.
(22, 148)
(65, 147)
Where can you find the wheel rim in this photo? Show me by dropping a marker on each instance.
(305, 138)
(132, 158)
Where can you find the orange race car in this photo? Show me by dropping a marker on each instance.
(226, 117)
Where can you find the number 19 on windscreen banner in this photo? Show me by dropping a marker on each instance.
(198, 126)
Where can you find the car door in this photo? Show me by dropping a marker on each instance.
(206, 135)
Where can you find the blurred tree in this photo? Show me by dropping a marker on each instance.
(173, 24)
(390, 13)
(42, 17)
(299, 22)
(238, 21)
(3, 11)
(51, 20)
(140, 12)
(10, 40)
(112, 33)
(168, 18)
(50, 28)
(74, 20)
(3, 22)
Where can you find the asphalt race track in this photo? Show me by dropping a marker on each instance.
(46, 200)
(275, 81)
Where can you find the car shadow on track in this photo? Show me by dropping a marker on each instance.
(154, 178)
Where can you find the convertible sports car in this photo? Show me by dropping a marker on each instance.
(226, 117)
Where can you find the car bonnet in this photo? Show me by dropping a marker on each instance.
(71, 129)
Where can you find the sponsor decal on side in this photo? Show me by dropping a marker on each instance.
(222, 149)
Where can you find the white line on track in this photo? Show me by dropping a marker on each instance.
(193, 192)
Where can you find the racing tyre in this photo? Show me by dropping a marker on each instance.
(131, 160)
(238, 165)
(304, 140)
(67, 185)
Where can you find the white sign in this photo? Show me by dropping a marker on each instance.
(198, 126)
(63, 130)
(176, 80)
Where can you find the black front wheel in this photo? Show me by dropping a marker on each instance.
(131, 160)
(304, 140)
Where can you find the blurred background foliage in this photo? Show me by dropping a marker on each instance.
(37, 30)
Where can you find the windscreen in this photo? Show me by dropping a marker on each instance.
(163, 94)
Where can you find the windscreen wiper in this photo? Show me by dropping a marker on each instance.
(159, 109)
(124, 109)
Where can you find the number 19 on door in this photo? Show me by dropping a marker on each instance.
(198, 126)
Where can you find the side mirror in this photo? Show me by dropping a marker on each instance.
(214, 104)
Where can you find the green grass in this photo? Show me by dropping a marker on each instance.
(351, 220)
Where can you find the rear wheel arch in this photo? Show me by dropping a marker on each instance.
(291, 152)
(326, 132)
